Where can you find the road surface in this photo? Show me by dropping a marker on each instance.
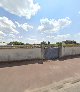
(23, 77)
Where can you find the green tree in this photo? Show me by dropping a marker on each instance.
(15, 43)
(59, 43)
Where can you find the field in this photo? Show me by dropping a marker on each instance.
(24, 77)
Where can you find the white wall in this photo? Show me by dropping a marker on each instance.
(20, 54)
(34, 53)
(66, 51)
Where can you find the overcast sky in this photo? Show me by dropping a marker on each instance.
(33, 21)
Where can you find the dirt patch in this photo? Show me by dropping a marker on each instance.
(22, 77)
(61, 86)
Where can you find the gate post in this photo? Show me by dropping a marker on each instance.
(61, 52)
(42, 51)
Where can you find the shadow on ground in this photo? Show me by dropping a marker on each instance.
(26, 62)
(69, 57)
(19, 63)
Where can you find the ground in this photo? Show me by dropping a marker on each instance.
(51, 76)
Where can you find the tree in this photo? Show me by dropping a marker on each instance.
(15, 43)
(59, 43)
(44, 43)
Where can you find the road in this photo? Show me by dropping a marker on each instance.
(23, 77)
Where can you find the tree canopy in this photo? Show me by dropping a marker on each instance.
(15, 43)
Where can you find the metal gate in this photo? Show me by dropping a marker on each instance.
(51, 53)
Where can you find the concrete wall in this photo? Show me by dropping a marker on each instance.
(20, 54)
(66, 51)
(36, 53)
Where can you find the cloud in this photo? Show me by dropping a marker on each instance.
(33, 40)
(20, 37)
(11, 35)
(8, 29)
(78, 34)
(52, 25)
(62, 37)
(7, 26)
(26, 8)
(1, 33)
(50, 36)
(79, 12)
(58, 38)
(24, 26)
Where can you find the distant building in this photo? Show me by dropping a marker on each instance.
(36, 45)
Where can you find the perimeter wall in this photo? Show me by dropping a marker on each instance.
(16, 54)
(68, 51)
(19, 54)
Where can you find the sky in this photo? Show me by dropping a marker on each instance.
(34, 21)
